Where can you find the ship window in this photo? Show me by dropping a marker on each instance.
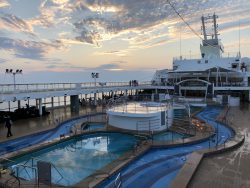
(206, 61)
(175, 67)
(199, 61)
(234, 65)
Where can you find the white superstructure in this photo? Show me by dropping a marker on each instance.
(212, 73)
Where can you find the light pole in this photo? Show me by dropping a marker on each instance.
(95, 75)
(14, 73)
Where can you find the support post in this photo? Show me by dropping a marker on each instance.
(52, 102)
(40, 107)
(18, 104)
(95, 99)
(74, 103)
(156, 91)
(152, 97)
(65, 101)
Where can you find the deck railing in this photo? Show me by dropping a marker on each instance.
(136, 107)
(38, 87)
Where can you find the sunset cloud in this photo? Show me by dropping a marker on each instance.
(13, 23)
(4, 3)
(28, 49)
(104, 31)
(150, 21)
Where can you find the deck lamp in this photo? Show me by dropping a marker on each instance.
(95, 75)
(14, 73)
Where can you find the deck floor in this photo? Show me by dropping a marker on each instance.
(230, 169)
(32, 125)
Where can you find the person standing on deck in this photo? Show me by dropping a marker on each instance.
(8, 124)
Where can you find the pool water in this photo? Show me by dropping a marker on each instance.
(78, 158)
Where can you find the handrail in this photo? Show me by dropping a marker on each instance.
(147, 125)
(62, 86)
(118, 181)
(139, 107)
(25, 166)
(17, 166)
(36, 158)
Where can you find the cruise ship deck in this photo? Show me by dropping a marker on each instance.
(80, 106)
(236, 161)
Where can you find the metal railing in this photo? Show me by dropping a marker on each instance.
(16, 169)
(138, 107)
(118, 181)
(232, 55)
(38, 87)
(148, 126)
(29, 170)
(56, 169)
(85, 125)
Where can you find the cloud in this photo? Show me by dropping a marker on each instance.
(12, 22)
(113, 52)
(4, 3)
(147, 21)
(104, 67)
(112, 66)
(29, 49)
(135, 24)
(2, 60)
(143, 24)
(65, 67)
(91, 37)
(52, 13)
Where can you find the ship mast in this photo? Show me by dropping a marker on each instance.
(211, 46)
(215, 27)
(204, 27)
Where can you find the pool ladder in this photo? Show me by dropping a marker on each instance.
(118, 181)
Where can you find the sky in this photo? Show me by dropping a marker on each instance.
(66, 40)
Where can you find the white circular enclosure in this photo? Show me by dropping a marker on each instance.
(141, 116)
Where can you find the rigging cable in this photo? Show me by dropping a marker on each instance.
(172, 6)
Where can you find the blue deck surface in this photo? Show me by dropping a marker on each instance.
(158, 167)
(29, 140)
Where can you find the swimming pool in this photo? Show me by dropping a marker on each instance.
(158, 167)
(77, 158)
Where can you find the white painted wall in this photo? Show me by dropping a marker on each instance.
(129, 121)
